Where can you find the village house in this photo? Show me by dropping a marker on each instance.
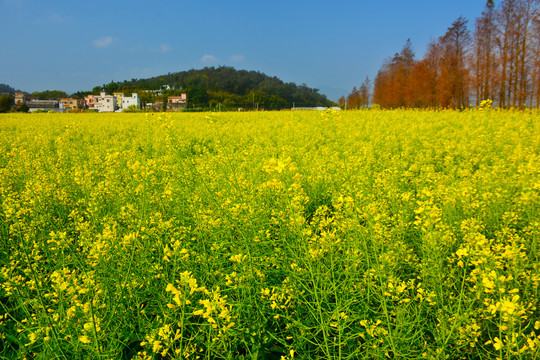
(177, 103)
(89, 100)
(72, 104)
(128, 101)
(45, 105)
(20, 98)
(105, 103)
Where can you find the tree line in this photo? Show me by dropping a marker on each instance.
(358, 98)
(499, 60)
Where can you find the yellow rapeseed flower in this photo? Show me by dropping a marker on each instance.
(85, 339)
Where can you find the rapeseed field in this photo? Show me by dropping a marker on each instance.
(270, 235)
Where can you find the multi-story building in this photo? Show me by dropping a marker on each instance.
(177, 103)
(128, 101)
(72, 104)
(105, 103)
(20, 98)
(89, 100)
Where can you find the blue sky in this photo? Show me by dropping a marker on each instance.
(329, 45)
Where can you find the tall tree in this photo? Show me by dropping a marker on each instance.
(391, 85)
(483, 59)
(342, 101)
(404, 66)
(381, 86)
(502, 63)
(364, 91)
(527, 12)
(454, 72)
(433, 58)
(353, 99)
(507, 16)
(423, 85)
(535, 74)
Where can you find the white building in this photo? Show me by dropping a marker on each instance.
(128, 101)
(105, 103)
(45, 105)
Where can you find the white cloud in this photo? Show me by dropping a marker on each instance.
(237, 58)
(103, 41)
(207, 58)
(164, 48)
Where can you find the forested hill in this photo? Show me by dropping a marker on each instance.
(229, 87)
(6, 88)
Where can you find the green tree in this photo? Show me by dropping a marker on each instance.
(96, 90)
(128, 90)
(21, 108)
(145, 96)
(50, 94)
(197, 98)
(6, 102)
(80, 94)
(111, 87)
(132, 109)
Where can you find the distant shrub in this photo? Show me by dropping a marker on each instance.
(20, 108)
(132, 109)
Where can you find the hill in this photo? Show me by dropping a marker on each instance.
(6, 88)
(228, 87)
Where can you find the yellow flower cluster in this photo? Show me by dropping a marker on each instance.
(306, 235)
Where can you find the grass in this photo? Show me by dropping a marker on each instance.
(271, 235)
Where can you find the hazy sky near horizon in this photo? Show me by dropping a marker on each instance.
(328, 45)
